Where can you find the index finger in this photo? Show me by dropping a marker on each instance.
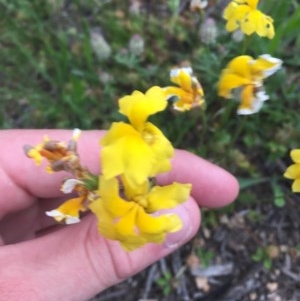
(21, 181)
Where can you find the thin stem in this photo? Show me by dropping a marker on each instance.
(238, 131)
(204, 126)
(246, 43)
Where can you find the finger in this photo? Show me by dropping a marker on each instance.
(21, 181)
(212, 186)
(78, 257)
(33, 219)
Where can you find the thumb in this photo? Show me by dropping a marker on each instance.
(76, 263)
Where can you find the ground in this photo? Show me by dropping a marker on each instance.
(247, 255)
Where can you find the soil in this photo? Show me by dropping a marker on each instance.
(254, 257)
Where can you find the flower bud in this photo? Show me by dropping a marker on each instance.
(136, 45)
(99, 45)
(208, 31)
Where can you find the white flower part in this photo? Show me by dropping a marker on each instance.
(175, 72)
(177, 108)
(257, 103)
(69, 185)
(277, 64)
(262, 96)
(198, 4)
(59, 216)
(76, 134)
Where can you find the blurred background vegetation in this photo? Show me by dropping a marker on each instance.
(64, 64)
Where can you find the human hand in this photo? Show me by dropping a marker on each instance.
(41, 260)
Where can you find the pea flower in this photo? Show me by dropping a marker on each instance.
(245, 15)
(69, 211)
(137, 150)
(244, 75)
(198, 5)
(293, 171)
(131, 217)
(189, 94)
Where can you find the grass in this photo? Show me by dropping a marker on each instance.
(52, 77)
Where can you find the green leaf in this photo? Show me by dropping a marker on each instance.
(249, 182)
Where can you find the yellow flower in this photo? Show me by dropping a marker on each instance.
(138, 150)
(244, 75)
(128, 218)
(138, 106)
(245, 15)
(136, 155)
(293, 171)
(68, 211)
(189, 94)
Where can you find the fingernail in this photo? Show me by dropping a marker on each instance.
(174, 240)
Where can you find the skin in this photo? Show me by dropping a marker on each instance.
(43, 261)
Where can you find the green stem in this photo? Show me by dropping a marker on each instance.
(237, 133)
(204, 126)
(246, 43)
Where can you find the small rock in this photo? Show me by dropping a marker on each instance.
(202, 283)
(272, 286)
(253, 296)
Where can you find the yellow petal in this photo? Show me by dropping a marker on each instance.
(229, 82)
(125, 152)
(161, 148)
(293, 171)
(72, 207)
(138, 106)
(112, 202)
(296, 186)
(131, 192)
(295, 155)
(69, 210)
(182, 77)
(247, 97)
(258, 22)
(265, 27)
(167, 197)
(252, 3)
(132, 243)
(240, 65)
(254, 104)
(148, 224)
(234, 14)
(236, 74)
(178, 92)
(105, 219)
(126, 226)
(34, 153)
(265, 66)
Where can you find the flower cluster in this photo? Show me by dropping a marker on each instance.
(245, 15)
(244, 75)
(189, 94)
(128, 203)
